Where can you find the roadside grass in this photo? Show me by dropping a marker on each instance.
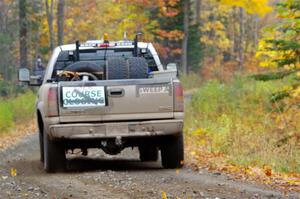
(16, 110)
(190, 81)
(239, 121)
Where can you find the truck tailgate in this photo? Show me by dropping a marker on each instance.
(114, 100)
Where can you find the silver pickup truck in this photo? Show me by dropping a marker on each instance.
(108, 95)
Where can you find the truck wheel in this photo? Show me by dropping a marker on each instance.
(148, 153)
(138, 68)
(116, 68)
(41, 146)
(54, 155)
(172, 154)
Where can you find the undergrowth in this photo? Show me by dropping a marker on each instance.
(239, 119)
(190, 81)
(14, 110)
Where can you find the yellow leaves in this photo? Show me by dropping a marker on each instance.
(296, 92)
(164, 195)
(252, 6)
(199, 131)
(13, 172)
(69, 22)
(214, 32)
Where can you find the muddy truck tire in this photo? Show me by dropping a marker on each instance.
(41, 143)
(172, 154)
(148, 153)
(116, 68)
(54, 155)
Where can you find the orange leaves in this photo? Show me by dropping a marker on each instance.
(197, 158)
(173, 35)
(267, 170)
(167, 7)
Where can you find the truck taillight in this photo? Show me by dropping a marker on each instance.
(52, 102)
(178, 97)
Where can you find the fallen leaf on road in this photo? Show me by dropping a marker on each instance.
(163, 195)
(13, 172)
(182, 162)
(267, 170)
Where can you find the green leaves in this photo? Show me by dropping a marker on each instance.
(282, 49)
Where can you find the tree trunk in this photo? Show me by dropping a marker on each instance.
(241, 40)
(49, 12)
(37, 8)
(60, 22)
(198, 10)
(232, 35)
(184, 63)
(23, 33)
(255, 32)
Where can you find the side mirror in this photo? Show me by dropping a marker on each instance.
(36, 80)
(24, 77)
(172, 67)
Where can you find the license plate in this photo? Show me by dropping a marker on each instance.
(93, 96)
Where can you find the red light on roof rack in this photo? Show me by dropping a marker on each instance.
(105, 45)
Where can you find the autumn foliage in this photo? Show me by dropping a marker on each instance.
(233, 122)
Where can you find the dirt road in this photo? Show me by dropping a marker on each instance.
(102, 176)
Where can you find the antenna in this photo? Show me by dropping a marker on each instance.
(77, 50)
(125, 36)
(136, 40)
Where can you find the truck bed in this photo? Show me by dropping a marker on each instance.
(123, 100)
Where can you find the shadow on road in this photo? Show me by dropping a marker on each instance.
(27, 167)
(80, 164)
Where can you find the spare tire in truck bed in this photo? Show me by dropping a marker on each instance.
(116, 68)
(81, 66)
(138, 68)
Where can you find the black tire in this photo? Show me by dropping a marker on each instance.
(172, 154)
(138, 68)
(81, 66)
(84, 66)
(54, 155)
(41, 146)
(148, 153)
(116, 68)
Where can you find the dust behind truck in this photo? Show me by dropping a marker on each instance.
(108, 95)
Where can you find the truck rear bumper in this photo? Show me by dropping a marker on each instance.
(112, 130)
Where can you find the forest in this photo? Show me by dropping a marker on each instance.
(239, 58)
